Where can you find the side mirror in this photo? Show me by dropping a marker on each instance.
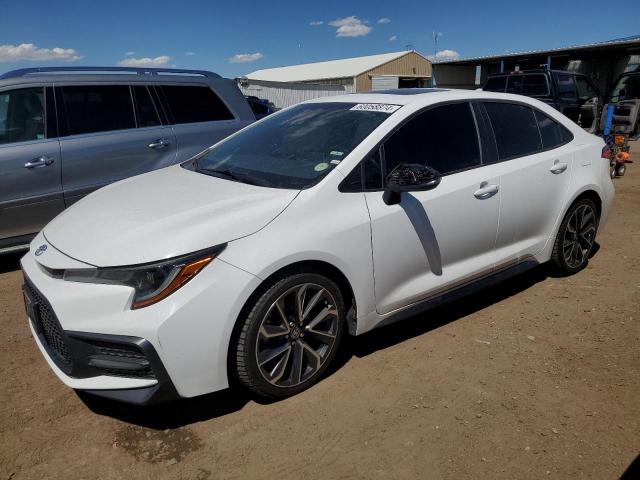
(409, 177)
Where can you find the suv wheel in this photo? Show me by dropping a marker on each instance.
(290, 336)
(575, 239)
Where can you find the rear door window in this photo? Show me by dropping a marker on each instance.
(515, 129)
(553, 134)
(444, 138)
(495, 84)
(98, 108)
(146, 113)
(566, 87)
(535, 85)
(191, 104)
(22, 116)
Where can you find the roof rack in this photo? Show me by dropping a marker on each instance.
(138, 71)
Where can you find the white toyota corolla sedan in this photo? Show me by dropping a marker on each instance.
(250, 262)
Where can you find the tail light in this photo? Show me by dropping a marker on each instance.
(606, 152)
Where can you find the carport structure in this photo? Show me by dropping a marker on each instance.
(602, 61)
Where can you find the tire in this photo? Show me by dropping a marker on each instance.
(285, 345)
(612, 171)
(575, 239)
(621, 169)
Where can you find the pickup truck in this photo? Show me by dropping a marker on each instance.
(571, 93)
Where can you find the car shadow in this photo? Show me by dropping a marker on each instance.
(422, 226)
(632, 471)
(387, 336)
(170, 415)
(10, 262)
(183, 412)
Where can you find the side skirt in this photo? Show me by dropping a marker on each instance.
(458, 292)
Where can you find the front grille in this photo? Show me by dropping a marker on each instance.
(49, 326)
(123, 351)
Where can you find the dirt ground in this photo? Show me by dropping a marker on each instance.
(538, 377)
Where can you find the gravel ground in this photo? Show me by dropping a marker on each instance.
(538, 377)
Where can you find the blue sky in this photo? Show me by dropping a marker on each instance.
(236, 37)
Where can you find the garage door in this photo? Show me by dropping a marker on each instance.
(384, 82)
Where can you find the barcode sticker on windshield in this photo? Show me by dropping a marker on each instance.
(375, 107)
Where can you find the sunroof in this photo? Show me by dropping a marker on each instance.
(410, 91)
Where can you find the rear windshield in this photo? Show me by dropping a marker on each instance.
(495, 84)
(535, 85)
(531, 84)
(294, 148)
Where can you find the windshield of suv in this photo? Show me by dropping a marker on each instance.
(295, 148)
(627, 88)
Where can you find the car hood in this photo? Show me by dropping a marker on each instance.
(162, 214)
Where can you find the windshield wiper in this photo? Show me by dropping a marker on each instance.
(226, 173)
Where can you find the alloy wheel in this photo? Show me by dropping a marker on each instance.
(296, 335)
(579, 236)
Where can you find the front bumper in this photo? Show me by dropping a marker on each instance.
(188, 333)
(92, 361)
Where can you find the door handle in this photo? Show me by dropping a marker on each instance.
(486, 191)
(558, 167)
(160, 143)
(39, 162)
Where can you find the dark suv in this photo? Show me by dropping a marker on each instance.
(571, 93)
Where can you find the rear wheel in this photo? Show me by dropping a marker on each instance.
(290, 336)
(575, 239)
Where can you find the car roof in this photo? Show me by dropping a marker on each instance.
(421, 96)
(108, 71)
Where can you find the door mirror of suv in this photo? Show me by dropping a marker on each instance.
(409, 177)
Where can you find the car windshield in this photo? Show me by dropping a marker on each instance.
(295, 148)
(627, 88)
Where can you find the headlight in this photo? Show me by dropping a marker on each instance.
(152, 282)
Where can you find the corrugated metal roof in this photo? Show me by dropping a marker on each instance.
(346, 67)
(606, 43)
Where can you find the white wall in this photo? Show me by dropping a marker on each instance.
(285, 94)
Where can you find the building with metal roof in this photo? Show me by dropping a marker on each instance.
(285, 86)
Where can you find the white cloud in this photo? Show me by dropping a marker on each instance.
(316, 23)
(29, 51)
(161, 61)
(245, 57)
(129, 54)
(444, 55)
(384, 20)
(189, 54)
(393, 38)
(350, 27)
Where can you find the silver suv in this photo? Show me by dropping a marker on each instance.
(65, 132)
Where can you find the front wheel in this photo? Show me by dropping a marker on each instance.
(290, 336)
(575, 239)
(621, 169)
